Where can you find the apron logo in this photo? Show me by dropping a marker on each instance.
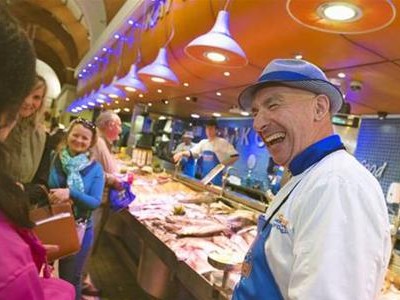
(281, 224)
(246, 268)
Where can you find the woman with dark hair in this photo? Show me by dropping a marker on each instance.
(76, 178)
(21, 254)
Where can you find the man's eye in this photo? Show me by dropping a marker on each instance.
(272, 105)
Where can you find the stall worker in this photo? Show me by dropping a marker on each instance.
(188, 163)
(211, 152)
(326, 235)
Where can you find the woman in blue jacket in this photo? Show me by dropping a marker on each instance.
(76, 178)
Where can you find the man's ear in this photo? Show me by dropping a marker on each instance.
(321, 107)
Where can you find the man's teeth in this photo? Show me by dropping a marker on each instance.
(275, 138)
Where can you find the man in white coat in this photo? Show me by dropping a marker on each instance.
(326, 234)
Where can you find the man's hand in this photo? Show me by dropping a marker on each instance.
(57, 196)
(177, 157)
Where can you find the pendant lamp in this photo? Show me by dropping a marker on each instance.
(112, 91)
(217, 47)
(159, 71)
(131, 81)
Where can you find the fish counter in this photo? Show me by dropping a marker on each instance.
(180, 233)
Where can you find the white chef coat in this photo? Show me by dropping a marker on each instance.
(183, 147)
(331, 239)
(221, 147)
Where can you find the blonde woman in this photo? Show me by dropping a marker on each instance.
(26, 143)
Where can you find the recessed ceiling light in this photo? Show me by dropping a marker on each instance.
(127, 109)
(162, 117)
(341, 75)
(113, 96)
(117, 110)
(99, 100)
(339, 11)
(84, 106)
(149, 104)
(218, 94)
(91, 103)
(89, 65)
(116, 102)
(141, 95)
(165, 101)
(116, 36)
(227, 74)
(84, 70)
(130, 22)
(104, 49)
(245, 113)
(217, 115)
(129, 89)
(215, 56)
(187, 98)
(195, 116)
(298, 56)
(102, 106)
(96, 58)
(185, 84)
(108, 104)
(159, 91)
(127, 99)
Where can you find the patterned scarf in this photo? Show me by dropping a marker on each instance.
(71, 166)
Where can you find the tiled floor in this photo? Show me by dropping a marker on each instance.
(109, 274)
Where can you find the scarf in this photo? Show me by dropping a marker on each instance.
(72, 165)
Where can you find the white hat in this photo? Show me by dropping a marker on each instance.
(188, 134)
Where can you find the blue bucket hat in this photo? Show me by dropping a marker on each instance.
(293, 73)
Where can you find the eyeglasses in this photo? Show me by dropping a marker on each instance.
(85, 123)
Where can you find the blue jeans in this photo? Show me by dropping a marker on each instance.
(71, 267)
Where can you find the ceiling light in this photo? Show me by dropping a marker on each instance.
(104, 49)
(217, 115)
(117, 110)
(165, 101)
(159, 70)
(339, 11)
(162, 118)
(141, 95)
(101, 105)
(96, 58)
(129, 89)
(149, 104)
(74, 110)
(112, 91)
(131, 22)
(218, 94)
(187, 98)
(127, 109)
(298, 56)
(215, 56)
(158, 79)
(185, 84)
(217, 46)
(227, 74)
(89, 65)
(91, 103)
(195, 116)
(131, 81)
(84, 106)
(245, 113)
(99, 100)
(116, 36)
(159, 91)
(116, 102)
(341, 75)
(127, 99)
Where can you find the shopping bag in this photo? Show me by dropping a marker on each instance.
(55, 225)
(120, 199)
